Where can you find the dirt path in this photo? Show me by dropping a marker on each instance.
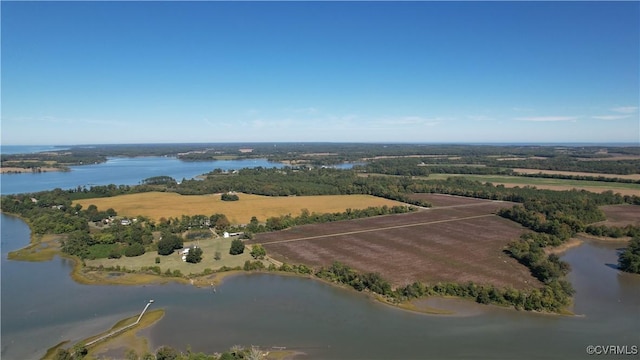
(381, 228)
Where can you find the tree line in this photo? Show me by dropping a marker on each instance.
(629, 259)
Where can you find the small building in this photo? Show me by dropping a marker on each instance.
(185, 252)
(225, 234)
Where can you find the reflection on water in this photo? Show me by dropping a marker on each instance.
(40, 301)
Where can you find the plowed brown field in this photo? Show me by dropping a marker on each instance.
(459, 242)
(621, 215)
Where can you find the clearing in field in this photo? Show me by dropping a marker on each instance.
(156, 205)
(449, 244)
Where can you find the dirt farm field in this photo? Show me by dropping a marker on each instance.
(621, 215)
(156, 205)
(457, 242)
(576, 173)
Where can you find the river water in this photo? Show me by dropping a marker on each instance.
(121, 171)
(42, 306)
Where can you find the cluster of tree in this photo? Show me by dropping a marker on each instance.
(237, 247)
(111, 242)
(288, 182)
(160, 180)
(398, 166)
(629, 259)
(613, 231)
(229, 197)
(93, 214)
(343, 274)
(186, 222)
(550, 298)
(258, 252)
(168, 243)
(98, 191)
(194, 256)
(417, 166)
(253, 265)
(528, 250)
(554, 296)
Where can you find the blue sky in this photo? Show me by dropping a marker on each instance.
(147, 72)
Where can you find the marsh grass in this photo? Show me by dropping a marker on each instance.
(40, 248)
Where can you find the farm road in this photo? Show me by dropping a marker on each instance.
(381, 228)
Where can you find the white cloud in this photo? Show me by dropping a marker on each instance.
(625, 109)
(547, 118)
(611, 117)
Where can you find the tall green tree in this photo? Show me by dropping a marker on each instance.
(194, 256)
(629, 259)
(166, 353)
(258, 252)
(237, 247)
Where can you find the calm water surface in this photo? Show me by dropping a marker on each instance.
(42, 306)
(121, 171)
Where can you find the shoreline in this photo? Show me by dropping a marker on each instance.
(604, 239)
(136, 278)
(19, 170)
(561, 249)
(122, 341)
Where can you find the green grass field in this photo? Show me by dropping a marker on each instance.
(174, 261)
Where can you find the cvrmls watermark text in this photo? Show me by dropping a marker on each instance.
(612, 349)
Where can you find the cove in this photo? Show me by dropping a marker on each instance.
(121, 171)
(42, 306)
